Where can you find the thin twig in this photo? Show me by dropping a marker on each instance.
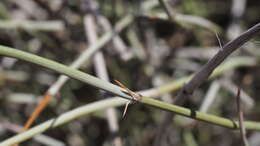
(54, 25)
(210, 97)
(219, 41)
(100, 67)
(187, 20)
(238, 8)
(167, 9)
(119, 46)
(241, 119)
(43, 139)
(245, 99)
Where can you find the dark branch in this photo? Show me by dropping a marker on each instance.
(206, 71)
(212, 64)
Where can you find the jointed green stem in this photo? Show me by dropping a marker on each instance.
(73, 73)
(91, 80)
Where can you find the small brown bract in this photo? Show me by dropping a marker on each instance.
(134, 95)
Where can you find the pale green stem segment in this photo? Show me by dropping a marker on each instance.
(86, 78)
(73, 73)
(224, 122)
(103, 104)
(64, 118)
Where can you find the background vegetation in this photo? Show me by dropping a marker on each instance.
(151, 50)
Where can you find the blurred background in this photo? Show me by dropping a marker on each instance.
(156, 43)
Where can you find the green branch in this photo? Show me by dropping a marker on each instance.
(93, 81)
(63, 69)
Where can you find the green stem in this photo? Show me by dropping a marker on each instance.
(224, 122)
(112, 102)
(54, 25)
(64, 118)
(73, 73)
(86, 78)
